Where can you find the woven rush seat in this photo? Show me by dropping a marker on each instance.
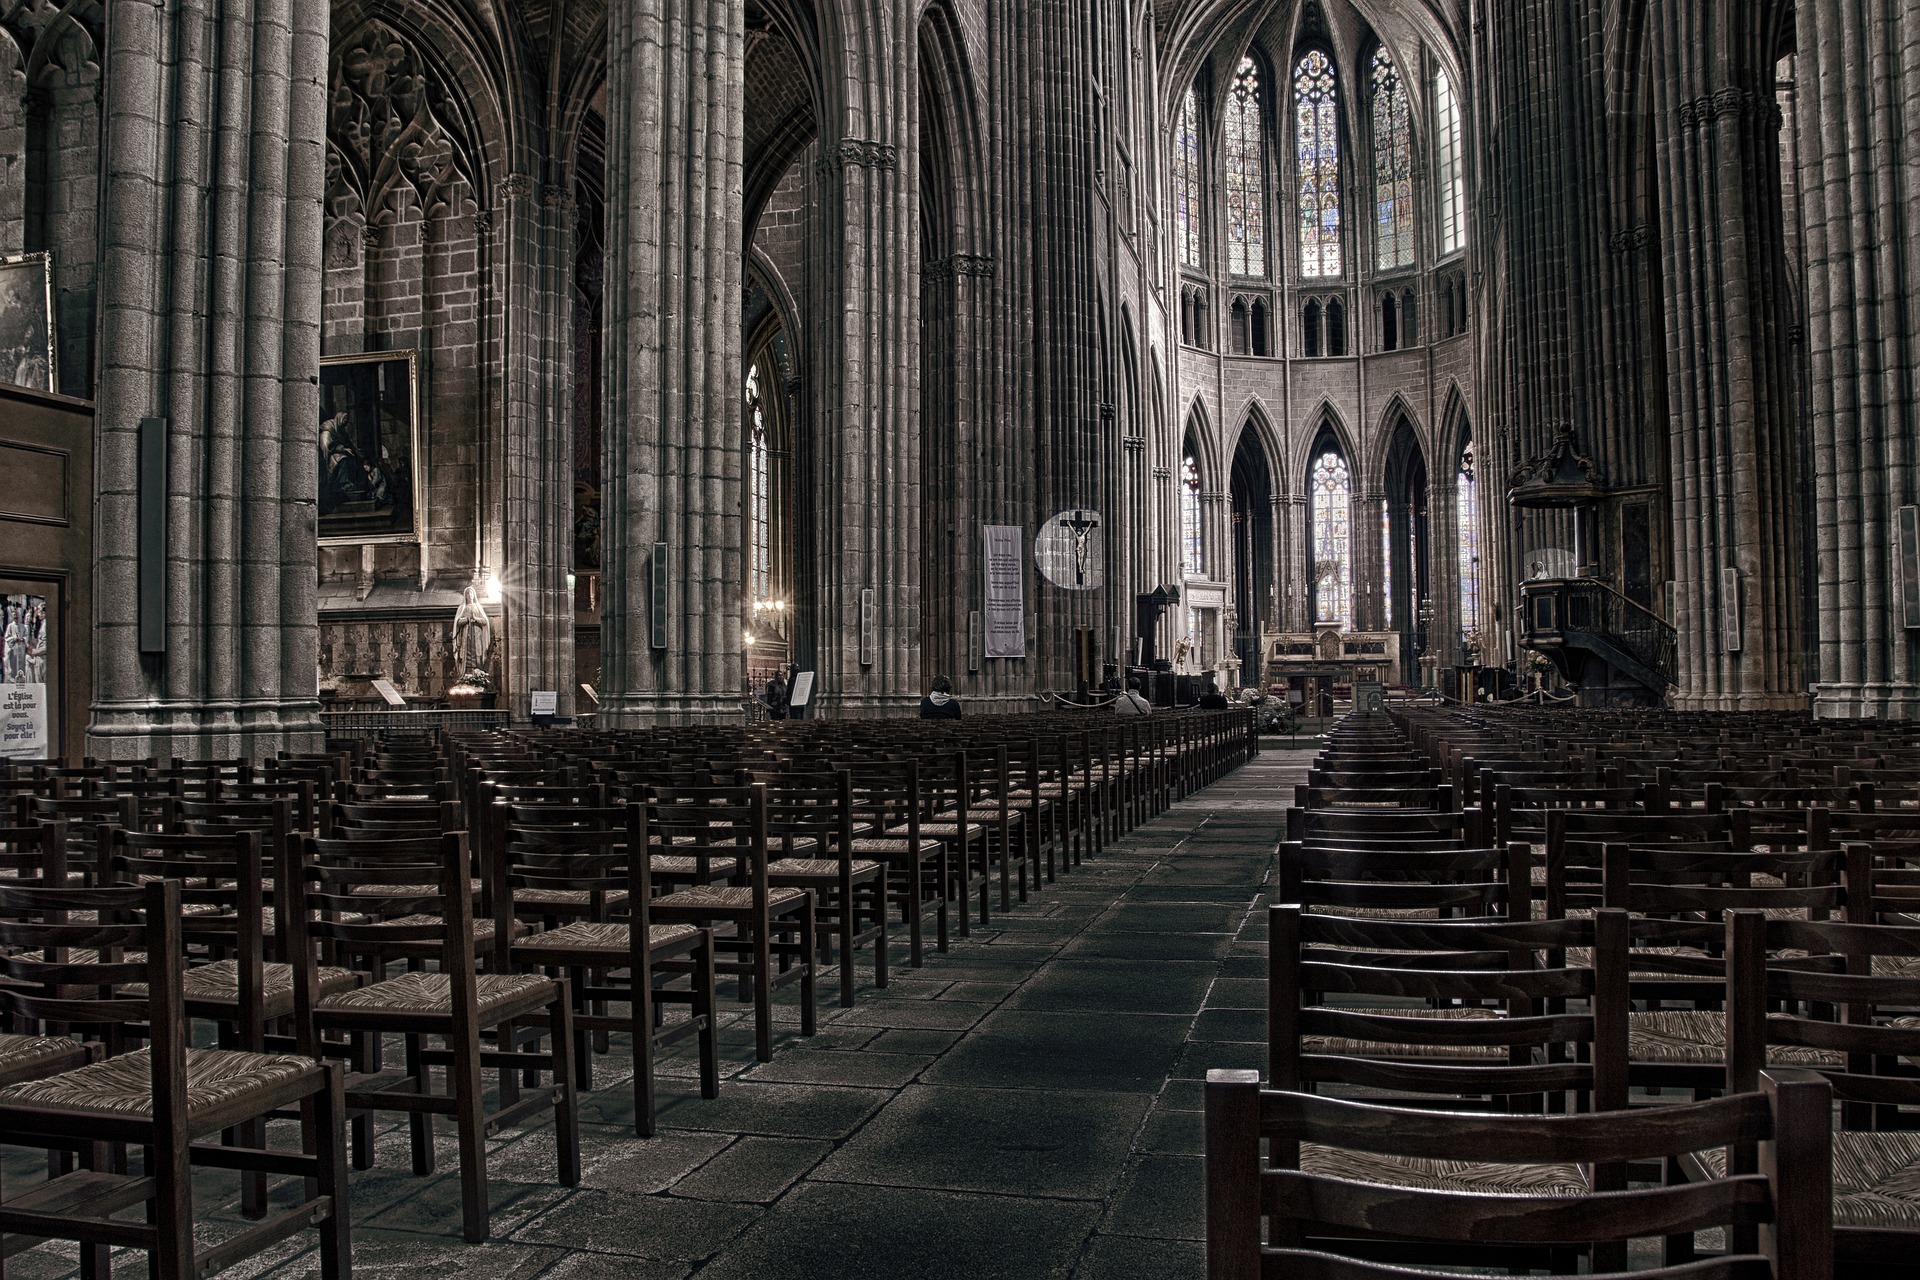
(1467, 1176)
(24, 1053)
(948, 830)
(215, 1078)
(1700, 1036)
(1876, 1178)
(594, 935)
(482, 925)
(219, 983)
(884, 845)
(431, 994)
(816, 868)
(1349, 1047)
(725, 897)
(565, 897)
(405, 890)
(673, 864)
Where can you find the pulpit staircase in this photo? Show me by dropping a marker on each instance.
(1612, 649)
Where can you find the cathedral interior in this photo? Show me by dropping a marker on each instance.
(393, 376)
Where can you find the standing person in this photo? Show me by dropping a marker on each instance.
(940, 704)
(776, 696)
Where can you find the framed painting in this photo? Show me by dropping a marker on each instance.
(369, 448)
(27, 332)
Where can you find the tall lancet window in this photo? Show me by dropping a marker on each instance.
(1186, 179)
(1193, 544)
(759, 496)
(1317, 150)
(1386, 562)
(1246, 175)
(1392, 164)
(1452, 185)
(1468, 511)
(1332, 505)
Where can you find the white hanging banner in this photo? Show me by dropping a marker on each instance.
(23, 722)
(1005, 595)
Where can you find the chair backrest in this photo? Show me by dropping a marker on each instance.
(710, 820)
(34, 853)
(1506, 983)
(43, 985)
(1437, 882)
(1268, 1220)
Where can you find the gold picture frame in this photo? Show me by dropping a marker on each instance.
(29, 331)
(369, 449)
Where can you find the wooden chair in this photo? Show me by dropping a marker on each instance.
(810, 817)
(888, 800)
(1267, 1220)
(162, 1097)
(766, 920)
(611, 961)
(1813, 991)
(379, 914)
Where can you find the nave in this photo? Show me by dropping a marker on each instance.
(1025, 1103)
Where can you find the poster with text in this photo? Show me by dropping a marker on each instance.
(25, 641)
(1005, 592)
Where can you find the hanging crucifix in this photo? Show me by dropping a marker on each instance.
(1081, 524)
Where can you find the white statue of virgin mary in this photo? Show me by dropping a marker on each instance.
(472, 634)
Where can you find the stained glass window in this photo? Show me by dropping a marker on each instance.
(759, 498)
(1386, 562)
(1392, 164)
(1468, 510)
(1332, 541)
(1453, 182)
(1192, 540)
(1246, 175)
(1186, 179)
(1317, 147)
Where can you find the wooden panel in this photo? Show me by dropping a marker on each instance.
(36, 483)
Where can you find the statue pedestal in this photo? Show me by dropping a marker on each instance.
(468, 697)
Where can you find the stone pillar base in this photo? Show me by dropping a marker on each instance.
(644, 710)
(1739, 702)
(199, 732)
(1866, 701)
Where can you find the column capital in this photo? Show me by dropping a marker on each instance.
(858, 152)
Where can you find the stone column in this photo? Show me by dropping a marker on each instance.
(539, 442)
(1734, 496)
(865, 464)
(210, 319)
(673, 453)
(1859, 93)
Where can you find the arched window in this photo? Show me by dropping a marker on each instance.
(1317, 146)
(759, 495)
(1389, 324)
(1186, 179)
(1310, 329)
(1467, 510)
(1392, 164)
(1246, 175)
(1193, 546)
(1242, 337)
(1452, 184)
(1336, 328)
(1331, 496)
(1258, 322)
(1409, 330)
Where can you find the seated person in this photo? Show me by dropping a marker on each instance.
(940, 704)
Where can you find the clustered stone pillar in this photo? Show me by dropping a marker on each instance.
(539, 453)
(210, 319)
(673, 453)
(1716, 137)
(1859, 77)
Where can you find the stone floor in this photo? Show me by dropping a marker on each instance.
(1026, 1105)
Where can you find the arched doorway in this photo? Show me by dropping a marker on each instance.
(1406, 547)
(1253, 559)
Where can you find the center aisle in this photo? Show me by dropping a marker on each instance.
(1027, 1105)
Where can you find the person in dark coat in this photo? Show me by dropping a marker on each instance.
(940, 704)
(776, 696)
